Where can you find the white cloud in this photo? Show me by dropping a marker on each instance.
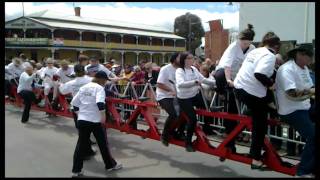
(122, 12)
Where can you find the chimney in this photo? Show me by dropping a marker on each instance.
(77, 11)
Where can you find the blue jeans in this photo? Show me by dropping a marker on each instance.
(301, 122)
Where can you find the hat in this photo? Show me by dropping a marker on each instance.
(113, 61)
(101, 75)
(293, 52)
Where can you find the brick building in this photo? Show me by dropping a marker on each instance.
(217, 40)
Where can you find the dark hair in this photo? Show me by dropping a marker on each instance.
(303, 51)
(270, 39)
(79, 70)
(247, 34)
(183, 57)
(174, 57)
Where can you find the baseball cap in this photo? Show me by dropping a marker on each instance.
(101, 75)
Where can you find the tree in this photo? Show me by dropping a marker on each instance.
(181, 28)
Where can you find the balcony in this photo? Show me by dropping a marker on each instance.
(143, 47)
(85, 44)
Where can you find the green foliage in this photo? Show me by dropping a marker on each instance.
(181, 28)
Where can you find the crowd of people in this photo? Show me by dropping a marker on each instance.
(257, 77)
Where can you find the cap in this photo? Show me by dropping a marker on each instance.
(101, 75)
(93, 58)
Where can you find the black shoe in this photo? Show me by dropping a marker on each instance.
(164, 141)
(189, 148)
(24, 121)
(179, 136)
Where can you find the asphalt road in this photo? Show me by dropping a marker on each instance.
(44, 148)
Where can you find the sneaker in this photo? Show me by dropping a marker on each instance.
(116, 167)
(78, 174)
(305, 176)
(189, 148)
(164, 141)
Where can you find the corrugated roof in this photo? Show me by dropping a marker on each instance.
(100, 28)
(65, 17)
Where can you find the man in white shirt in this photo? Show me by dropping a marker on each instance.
(15, 69)
(47, 75)
(166, 94)
(73, 87)
(294, 87)
(89, 104)
(65, 72)
(95, 66)
(25, 91)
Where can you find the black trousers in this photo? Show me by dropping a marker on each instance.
(7, 87)
(229, 104)
(85, 129)
(186, 106)
(168, 106)
(88, 149)
(28, 97)
(258, 107)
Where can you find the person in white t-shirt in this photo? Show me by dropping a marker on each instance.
(95, 66)
(15, 69)
(89, 104)
(188, 82)
(226, 72)
(251, 83)
(65, 72)
(47, 75)
(72, 87)
(166, 94)
(294, 87)
(25, 91)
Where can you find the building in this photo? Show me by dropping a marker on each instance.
(291, 21)
(49, 34)
(216, 40)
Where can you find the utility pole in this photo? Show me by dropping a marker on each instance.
(189, 34)
(22, 9)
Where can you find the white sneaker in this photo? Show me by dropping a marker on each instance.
(305, 176)
(78, 174)
(116, 167)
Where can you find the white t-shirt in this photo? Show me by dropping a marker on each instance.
(167, 72)
(63, 74)
(233, 57)
(86, 100)
(73, 86)
(89, 68)
(260, 60)
(25, 82)
(291, 76)
(185, 82)
(14, 70)
(48, 71)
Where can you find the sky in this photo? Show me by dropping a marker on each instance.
(151, 13)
